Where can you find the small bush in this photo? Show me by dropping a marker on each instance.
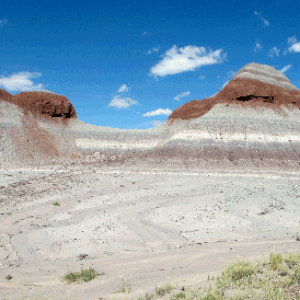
(179, 296)
(125, 287)
(275, 260)
(163, 290)
(212, 295)
(8, 277)
(292, 259)
(239, 270)
(83, 275)
(56, 203)
(148, 296)
(296, 273)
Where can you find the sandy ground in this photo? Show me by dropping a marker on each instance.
(140, 229)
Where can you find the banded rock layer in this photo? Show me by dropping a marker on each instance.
(22, 138)
(252, 123)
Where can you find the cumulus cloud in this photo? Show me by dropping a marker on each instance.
(181, 95)
(286, 68)
(274, 52)
(257, 47)
(123, 88)
(177, 60)
(158, 112)
(119, 102)
(294, 45)
(154, 49)
(157, 123)
(21, 82)
(260, 16)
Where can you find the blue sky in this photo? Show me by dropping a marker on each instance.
(129, 64)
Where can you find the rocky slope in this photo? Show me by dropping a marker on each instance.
(22, 138)
(252, 123)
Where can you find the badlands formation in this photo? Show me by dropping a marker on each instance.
(219, 179)
(252, 124)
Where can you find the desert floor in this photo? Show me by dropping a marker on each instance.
(139, 228)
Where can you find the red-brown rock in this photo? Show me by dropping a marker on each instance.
(4, 95)
(240, 91)
(45, 104)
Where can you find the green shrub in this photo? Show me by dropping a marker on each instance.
(212, 295)
(292, 259)
(239, 270)
(163, 290)
(56, 203)
(296, 273)
(179, 296)
(83, 275)
(275, 260)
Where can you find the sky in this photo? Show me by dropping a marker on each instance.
(129, 64)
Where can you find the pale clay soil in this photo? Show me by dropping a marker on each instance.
(139, 228)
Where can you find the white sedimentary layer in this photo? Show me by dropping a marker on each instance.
(223, 124)
(102, 144)
(265, 74)
(194, 135)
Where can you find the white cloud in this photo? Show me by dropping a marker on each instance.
(260, 16)
(274, 52)
(295, 48)
(154, 49)
(294, 45)
(21, 82)
(119, 102)
(286, 68)
(258, 46)
(181, 95)
(158, 112)
(178, 60)
(157, 123)
(292, 40)
(123, 88)
(202, 76)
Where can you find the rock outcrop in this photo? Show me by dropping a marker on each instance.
(45, 103)
(254, 85)
(23, 140)
(253, 123)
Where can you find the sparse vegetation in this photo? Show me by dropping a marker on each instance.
(9, 213)
(276, 277)
(164, 289)
(83, 275)
(56, 203)
(275, 260)
(125, 287)
(8, 277)
(148, 296)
